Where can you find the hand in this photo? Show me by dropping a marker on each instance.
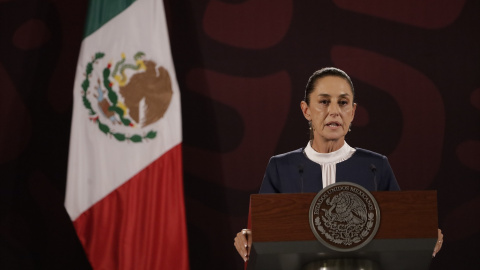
(243, 243)
(439, 243)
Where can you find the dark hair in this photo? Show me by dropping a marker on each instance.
(324, 72)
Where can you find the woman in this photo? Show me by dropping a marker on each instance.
(329, 107)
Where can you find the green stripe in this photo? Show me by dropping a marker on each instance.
(101, 11)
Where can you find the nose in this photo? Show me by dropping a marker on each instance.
(333, 109)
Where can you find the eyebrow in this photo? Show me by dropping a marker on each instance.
(341, 95)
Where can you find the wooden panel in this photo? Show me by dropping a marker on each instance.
(284, 217)
(407, 214)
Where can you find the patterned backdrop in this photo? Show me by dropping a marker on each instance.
(242, 67)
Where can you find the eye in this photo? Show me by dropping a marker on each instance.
(343, 102)
(324, 102)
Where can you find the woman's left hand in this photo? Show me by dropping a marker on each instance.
(439, 243)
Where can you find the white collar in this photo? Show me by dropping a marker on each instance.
(342, 154)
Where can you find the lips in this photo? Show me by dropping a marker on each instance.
(333, 124)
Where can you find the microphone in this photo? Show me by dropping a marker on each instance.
(374, 171)
(300, 171)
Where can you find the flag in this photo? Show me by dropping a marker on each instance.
(124, 183)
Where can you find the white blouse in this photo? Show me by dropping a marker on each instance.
(328, 161)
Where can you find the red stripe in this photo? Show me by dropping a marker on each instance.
(140, 225)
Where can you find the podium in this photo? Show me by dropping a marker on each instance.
(283, 239)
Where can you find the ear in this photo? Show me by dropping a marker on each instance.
(305, 110)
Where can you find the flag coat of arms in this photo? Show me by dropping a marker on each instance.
(124, 184)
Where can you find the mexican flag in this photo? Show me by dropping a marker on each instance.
(125, 187)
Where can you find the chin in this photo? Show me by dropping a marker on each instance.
(333, 138)
(334, 135)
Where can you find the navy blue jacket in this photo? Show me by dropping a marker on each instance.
(293, 172)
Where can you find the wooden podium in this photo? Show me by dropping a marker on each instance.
(283, 239)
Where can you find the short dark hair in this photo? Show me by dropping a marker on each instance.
(324, 72)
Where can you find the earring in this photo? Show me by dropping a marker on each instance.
(350, 128)
(311, 126)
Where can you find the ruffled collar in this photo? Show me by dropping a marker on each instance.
(334, 157)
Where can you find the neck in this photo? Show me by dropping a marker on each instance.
(327, 146)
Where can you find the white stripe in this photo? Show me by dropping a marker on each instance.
(98, 164)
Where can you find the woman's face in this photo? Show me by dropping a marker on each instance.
(331, 109)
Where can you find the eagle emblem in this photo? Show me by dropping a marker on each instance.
(127, 96)
(344, 216)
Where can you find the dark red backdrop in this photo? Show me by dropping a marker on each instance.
(242, 67)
